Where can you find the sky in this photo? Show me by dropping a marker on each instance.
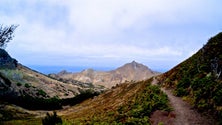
(109, 33)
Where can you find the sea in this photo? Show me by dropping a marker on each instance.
(56, 69)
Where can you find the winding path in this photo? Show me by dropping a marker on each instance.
(185, 114)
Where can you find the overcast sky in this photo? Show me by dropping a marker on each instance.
(109, 33)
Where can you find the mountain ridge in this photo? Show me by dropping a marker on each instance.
(30, 89)
(128, 72)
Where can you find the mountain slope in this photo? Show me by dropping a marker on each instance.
(30, 89)
(198, 79)
(23, 86)
(128, 103)
(129, 72)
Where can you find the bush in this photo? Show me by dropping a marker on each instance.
(52, 119)
(27, 85)
(79, 98)
(19, 84)
(41, 92)
(146, 102)
(181, 92)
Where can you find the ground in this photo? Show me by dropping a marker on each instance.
(183, 113)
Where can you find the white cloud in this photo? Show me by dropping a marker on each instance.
(108, 29)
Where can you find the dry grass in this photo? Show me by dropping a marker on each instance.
(107, 102)
(106, 107)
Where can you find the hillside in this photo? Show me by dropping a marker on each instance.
(129, 72)
(30, 89)
(198, 79)
(128, 103)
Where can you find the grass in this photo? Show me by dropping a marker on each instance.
(130, 103)
(23, 122)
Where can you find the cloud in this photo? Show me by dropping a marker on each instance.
(86, 31)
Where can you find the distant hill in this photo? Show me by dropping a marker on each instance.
(23, 86)
(129, 72)
(198, 79)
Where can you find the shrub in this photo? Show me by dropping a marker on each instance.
(27, 85)
(79, 98)
(146, 102)
(41, 92)
(52, 119)
(18, 84)
(181, 92)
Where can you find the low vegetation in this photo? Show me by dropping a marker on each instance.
(198, 79)
(54, 103)
(51, 119)
(133, 103)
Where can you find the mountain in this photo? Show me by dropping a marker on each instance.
(129, 72)
(198, 80)
(27, 88)
(30, 89)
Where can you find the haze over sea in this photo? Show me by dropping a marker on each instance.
(56, 69)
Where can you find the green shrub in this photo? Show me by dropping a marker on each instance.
(41, 92)
(146, 102)
(19, 84)
(52, 119)
(27, 85)
(181, 92)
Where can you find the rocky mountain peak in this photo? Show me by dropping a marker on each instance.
(134, 66)
(63, 72)
(133, 71)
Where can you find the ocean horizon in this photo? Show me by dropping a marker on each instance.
(56, 69)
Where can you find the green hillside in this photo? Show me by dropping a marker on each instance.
(129, 103)
(198, 79)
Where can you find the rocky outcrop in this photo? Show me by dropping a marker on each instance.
(6, 61)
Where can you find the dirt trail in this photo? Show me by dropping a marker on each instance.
(185, 114)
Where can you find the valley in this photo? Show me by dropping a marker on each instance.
(130, 94)
(110, 62)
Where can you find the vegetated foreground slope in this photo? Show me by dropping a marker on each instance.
(128, 103)
(129, 72)
(198, 79)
